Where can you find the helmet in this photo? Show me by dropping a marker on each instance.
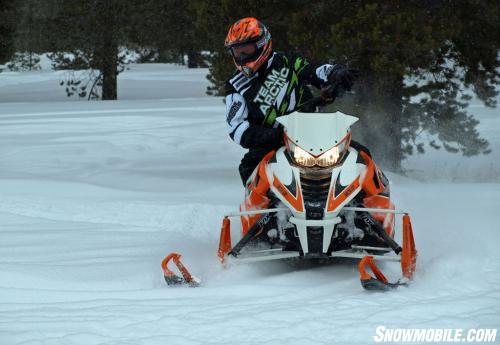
(250, 44)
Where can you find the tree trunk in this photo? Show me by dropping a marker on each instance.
(110, 73)
(107, 49)
(193, 58)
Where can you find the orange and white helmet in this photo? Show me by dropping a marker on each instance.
(250, 44)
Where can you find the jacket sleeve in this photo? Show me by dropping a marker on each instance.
(312, 72)
(242, 131)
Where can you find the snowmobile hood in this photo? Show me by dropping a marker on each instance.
(317, 132)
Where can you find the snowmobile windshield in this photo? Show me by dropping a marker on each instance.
(327, 159)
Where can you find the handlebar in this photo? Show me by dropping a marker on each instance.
(327, 96)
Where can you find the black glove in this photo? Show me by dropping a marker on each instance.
(279, 137)
(342, 78)
(262, 137)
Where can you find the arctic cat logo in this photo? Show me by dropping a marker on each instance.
(275, 81)
(232, 112)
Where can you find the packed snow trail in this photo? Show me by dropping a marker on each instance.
(94, 194)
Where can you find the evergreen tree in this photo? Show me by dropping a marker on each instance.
(91, 30)
(418, 58)
(88, 35)
(420, 63)
(7, 29)
(27, 61)
(29, 40)
(168, 27)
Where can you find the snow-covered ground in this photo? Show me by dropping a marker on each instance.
(141, 81)
(94, 194)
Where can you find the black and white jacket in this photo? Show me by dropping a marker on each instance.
(279, 88)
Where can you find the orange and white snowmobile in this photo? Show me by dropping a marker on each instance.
(320, 196)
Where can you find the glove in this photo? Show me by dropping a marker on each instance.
(343, 77)
(262, 137)
(279, 137)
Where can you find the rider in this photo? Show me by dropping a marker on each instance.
(266, 85)
(269, 84)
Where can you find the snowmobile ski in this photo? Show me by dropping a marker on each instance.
(171, 278)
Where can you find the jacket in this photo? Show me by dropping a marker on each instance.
(278, 88)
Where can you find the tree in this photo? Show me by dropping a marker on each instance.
(7, 29)
(29, 40)
(92, 30)
(88, 35)
(168, 26)
(420, 62)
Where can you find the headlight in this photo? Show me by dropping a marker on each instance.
(326, 159)
(329, 158)
(302, 157)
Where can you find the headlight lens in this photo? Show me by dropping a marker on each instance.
(329, 158)
(302, 157)
(326, 159)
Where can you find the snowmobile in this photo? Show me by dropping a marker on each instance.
(318, 197)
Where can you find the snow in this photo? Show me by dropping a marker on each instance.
(442, 166)
(95, 194)
(140, 81)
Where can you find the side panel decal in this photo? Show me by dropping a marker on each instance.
(295, 200)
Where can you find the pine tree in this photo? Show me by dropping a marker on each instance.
(93, 31)
(7, 29)
(90, 31)
(92, 28)
(420, 62)
(29, 40)
(168, 27)
(26, 61)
